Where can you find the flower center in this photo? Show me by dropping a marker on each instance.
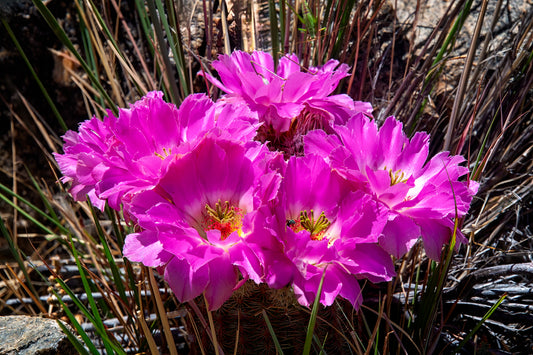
(224, 217)
(396, 176)
(166, 153)
(307, 222)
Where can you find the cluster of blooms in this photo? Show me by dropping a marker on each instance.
(276, 182)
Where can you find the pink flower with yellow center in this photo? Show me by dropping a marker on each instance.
(125, 154)
(197, 219)
(422, 196)
(289, 99)
(321, 225)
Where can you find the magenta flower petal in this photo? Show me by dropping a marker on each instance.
(84, 151)
(287, 65)
(202, 211)
(146, 248)
(222, 280)
(195, 118)
(363, 107)
(368, 260)
(215, 170)
(363, 218)
(235, 122)
(351, 291)
(245, 258)
(418, 193)
(307, 253)
(318, 226)
(436, 234)
(185, 282)
(126, 154)
(322, 144)
(310, 184)
(278, 269)
(399, 235)
(289, 100)
(305, 289)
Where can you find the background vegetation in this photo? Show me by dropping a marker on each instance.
(471, 88)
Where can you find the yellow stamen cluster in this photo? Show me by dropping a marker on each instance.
(221, 214)
(316, 228)
(396, 176)
(165, 154)
(225, 218)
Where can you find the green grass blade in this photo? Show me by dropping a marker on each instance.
(117, 278)
(114, 44)
(432, 75)
(346, 15)
(120, 234)
(95, 319)
(479, 163)
(27, 215)
(16, 254)
(177, 48)
(52, 214)
(144, 19)
(117, 228)
(274, 31)
(312, 319)
(74, 340)
(321, 345)
(480, 323)
(87, 45)
(283, 26)
(52, 219)
(452, 35)
(156, 22)
(67, 311)
(272, 333)
(427, 311)
(34, 74)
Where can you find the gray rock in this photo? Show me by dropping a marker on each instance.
(23, 335)
(431, 11)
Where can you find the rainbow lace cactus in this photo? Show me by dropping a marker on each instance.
(278, 182)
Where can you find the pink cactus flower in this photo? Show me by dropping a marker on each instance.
(289, 100)
(197, 219)
(422, 196)
(112, 159)
(322, 226)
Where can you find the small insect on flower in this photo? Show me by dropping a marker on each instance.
(291, 222)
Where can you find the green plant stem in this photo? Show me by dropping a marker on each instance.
(272, 333)
(312, 319)
(34, 74)
(274, 32)
(480, 323)
(174, 92)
